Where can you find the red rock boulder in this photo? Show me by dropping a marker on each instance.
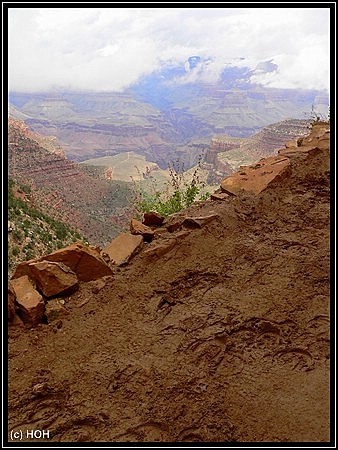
(84, 261)
(123, 248)
(53, 278)
(199, 222)
(219, 196)
(11, 302)
(137, 227)
(153, 219)
(30, 304)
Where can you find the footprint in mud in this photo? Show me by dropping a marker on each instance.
(122, 376)
(147, 432)
(207, 431)
(209, 353)
(288, 328)
(241, 338)
(81, 429)
(321, 348)
(215, 356)
(131, 436)
(268, 340)
(256, 332)
(190, 435)
(42, 413)
(319, 325)
(83, 434)
(255, 338)
(262, 334)
(230, 366)
(295, 358)
(45, 413)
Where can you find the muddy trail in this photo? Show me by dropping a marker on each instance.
(222, 338)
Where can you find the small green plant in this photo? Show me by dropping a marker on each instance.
(26, 189)
(17, 235)
(26, 224)
(177, 193)
(59, 244)
(29, 255)
(61, 230)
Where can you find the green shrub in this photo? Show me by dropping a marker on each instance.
(26, 189)
(176, 195)
(26, 224)
(60, 230)
(29, 255)
(17, 235)
(59, 244)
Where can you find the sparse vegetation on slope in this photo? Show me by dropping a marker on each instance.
(32, 233)
(318, 118)
(178, 193)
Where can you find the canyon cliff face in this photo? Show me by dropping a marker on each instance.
(157, 117)
(48, 143)
(61, 187)
(82, 141)
(94, 125)
(226, 154)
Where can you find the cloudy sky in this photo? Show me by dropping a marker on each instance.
(110, 48)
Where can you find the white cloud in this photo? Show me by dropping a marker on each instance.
(110, 48)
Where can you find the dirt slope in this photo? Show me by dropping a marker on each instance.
(225, 338)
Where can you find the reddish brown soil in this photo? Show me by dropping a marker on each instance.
(225, 338)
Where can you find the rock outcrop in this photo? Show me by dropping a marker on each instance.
(258, 177)
(152, 219)
(84, 261)
(58, 274)
(53, 278)
(219, 196)
(137, 227)
(11, 302)
(226, 153)
(123, 248)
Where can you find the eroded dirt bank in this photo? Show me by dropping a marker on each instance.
(223, 338)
